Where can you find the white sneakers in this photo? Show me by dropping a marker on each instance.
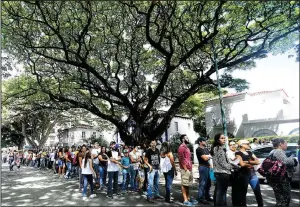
(93, 196)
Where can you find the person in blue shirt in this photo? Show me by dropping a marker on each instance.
(125, 162)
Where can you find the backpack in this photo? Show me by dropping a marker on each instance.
(272, 168)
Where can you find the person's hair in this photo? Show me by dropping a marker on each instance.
(254, 139)
(87, 156)
(216, 143)
(276, 142)
(165, 147)
(298, 141)
(60, 150)
(182, 137)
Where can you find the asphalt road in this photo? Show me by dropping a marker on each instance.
(31, 187)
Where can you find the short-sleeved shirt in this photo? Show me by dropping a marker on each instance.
(184, 156)
(95, 152)
(202, 151)
(153, 158)
(111, 166)
(135, 156)
(125, 161)
(245, 170)
(104, 156)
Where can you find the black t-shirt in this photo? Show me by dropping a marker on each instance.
(153, 158)
(104, 156)
(245, 170)
(199, 153)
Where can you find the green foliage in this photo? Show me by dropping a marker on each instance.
(99, 55)
(288, 138)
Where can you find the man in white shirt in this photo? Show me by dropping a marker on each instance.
(113, 170)
(95, 153)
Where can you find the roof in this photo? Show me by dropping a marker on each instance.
(251, 94)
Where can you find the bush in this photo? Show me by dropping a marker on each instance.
(288, 138)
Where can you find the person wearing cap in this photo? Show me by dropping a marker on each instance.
(203, 156)
(245, 175)
(114, 158)
(125, 163)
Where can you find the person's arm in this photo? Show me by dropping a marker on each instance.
(91, 166)
(101, 158)
(182, 157)
(132, 159)
(255, 161)
(280, 155)
(171, 157)
(80, 161)
(67, 157)
(146, 162)
(220, 158)
(243, 163)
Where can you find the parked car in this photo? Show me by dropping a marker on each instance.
(263, 151)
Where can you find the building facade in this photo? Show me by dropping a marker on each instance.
(258, 114)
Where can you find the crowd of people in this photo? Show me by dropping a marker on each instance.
(121, 169)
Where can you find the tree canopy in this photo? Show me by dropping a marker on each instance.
(123, 61)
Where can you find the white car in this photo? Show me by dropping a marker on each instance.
(263, 151)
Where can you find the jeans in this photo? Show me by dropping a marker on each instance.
(125, 177)
(96, 169)
(86, 179)
(69, 167)
(112, 176)
(204, 183)
(254, 183)
(153, 181)
(146, 170)
(239, 189)
(102, 177)
(80, 179)
(133, 174)
(169, 176)
(222, 182)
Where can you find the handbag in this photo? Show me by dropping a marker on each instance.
(212, 175)
(272, 168)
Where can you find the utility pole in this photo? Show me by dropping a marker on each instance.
(220, 92)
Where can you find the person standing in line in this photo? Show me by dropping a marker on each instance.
(146, 168)
(87, 173)
(167, 166)
(114, 158)
(134, 168)
(222, 169)
(80, 155)
(255, 143)
(103, 159)
(203, 156)
(244, 175)
(125, 161)
(185, 163)
(152, 160)
(95, 153)
(282, 187)
(68, 160)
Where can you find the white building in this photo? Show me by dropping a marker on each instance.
(263, 113)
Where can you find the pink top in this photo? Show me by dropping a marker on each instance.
(184, 156)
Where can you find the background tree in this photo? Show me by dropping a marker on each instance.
(123, 61)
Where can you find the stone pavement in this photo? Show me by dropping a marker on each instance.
(31, 187)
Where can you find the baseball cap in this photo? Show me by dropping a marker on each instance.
(125, 151)
(201, 139)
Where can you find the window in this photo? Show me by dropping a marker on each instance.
(189, 126)
(176, 126)
(83, 135)
(263, 152)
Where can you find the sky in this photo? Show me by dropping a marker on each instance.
(273, 73)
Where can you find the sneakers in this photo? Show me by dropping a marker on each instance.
(118, 193)
(145, 193)
(193, 201)
(187, 203)
(151, 200)
(158, 197)
(93, 196)
(84, 198)
(109, 196)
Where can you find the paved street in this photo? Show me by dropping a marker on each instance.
(30, 187)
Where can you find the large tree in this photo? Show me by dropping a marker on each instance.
(123, 61)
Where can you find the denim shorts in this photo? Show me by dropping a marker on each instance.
(60, 163)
